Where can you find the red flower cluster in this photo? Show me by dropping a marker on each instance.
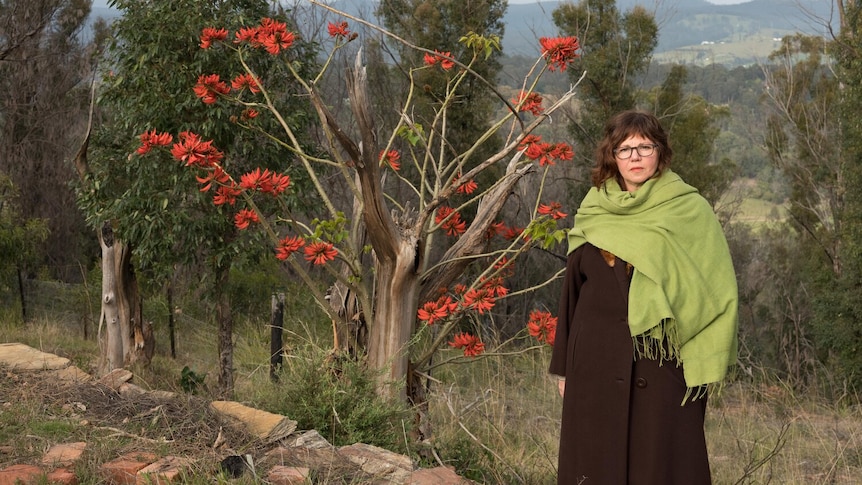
(191, 150)
(546, 153)
(245, 80)
(226, 194)
(542, 326)
(470, 343)
(553, 210)
(467, 187)
(210, 35)
(433, 311)
(270, 34)
(209, 87)
(149, 139)
(320, 252)
(480, 299)
(287, 246)
(216, 175)
(446, 64)
(244, 217)
(450, 221)
(559, 52)
(531, 102)
(266, 181)
(338, 30)
(391, 158)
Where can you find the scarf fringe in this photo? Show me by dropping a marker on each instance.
(661, 343)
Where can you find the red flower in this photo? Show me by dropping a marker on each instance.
(495, 287)
(531, 102)
(279, 183)
(288, 246)
(215, 175)
(249, 114)
(450, 221)
(209, 87)
(320, 252)
(505, 267)
(436, 310)
(559, 52)
(273, 36)
(245, 80)
(512, 233)
(391, 158)
(338, 30)
(542, 326)
(153, 138)
(226, 194)
(481, 300)
(545, 153)
(256, 180)
(552, 209)
(467, 187)
(193, 151)
(446, 64)
(270, 34)
(245, 217)
(470, 343)
(460, 288)
(211, 34)
(248, 34)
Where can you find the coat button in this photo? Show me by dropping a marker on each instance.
(641, 382)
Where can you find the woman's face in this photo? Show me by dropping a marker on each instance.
(637, 161)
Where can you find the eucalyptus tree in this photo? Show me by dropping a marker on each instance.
(45, 58)
(616, 49)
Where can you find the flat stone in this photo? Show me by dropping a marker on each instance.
(72, 374)
(167, 470)
(64, 455)
(269, 427)
(16, 474)
(24, 357)
(116, 378)
(309, 439)
(441, 475)
(378, 462)
(124, 470)
(287, 475)
(62, 476)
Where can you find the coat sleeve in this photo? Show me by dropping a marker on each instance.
(566, 313)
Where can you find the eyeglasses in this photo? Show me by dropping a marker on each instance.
(644, 150)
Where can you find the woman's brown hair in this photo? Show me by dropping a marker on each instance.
(620, 127)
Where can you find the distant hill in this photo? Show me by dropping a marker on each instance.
(690, 31)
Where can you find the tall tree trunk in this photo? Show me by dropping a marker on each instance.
(224, 320)
(394, 315)
(111, 341)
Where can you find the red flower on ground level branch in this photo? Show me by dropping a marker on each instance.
(470, 343)
(543, 326)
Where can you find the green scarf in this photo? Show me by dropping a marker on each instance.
(683, 296)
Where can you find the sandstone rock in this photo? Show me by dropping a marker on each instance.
(267, 426)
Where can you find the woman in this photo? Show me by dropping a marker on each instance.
(648, 318)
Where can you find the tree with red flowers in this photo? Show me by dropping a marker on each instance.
(400, 265)
(150, 224)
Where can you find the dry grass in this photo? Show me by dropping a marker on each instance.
(496, 418)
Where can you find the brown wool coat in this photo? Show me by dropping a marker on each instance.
(622, 421)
